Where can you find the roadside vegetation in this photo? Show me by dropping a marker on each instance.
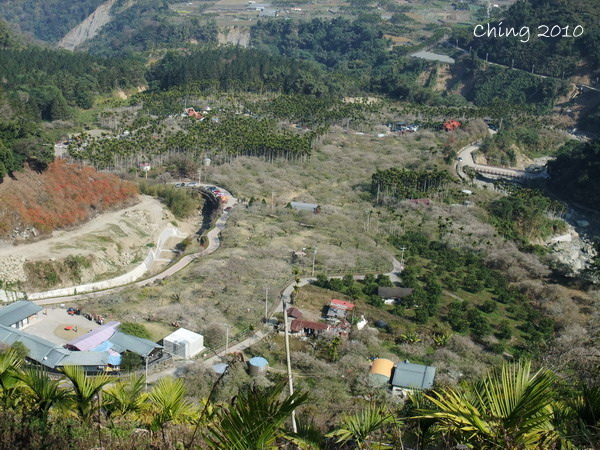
(575, 173)
(516, 405)
(526, 215)
(504, 148)
(48, 274)
(181, 202)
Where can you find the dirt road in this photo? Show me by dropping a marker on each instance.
(117, 240)
(213, 244)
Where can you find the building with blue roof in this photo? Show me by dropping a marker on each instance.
(102, 353)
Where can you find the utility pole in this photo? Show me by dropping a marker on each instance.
(200, 174)
(226, 338)
(273, 200)
(289, 361)
(402, 259)
(313, 261)
(146, 373)
(267, 304)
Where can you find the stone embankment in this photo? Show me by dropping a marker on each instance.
(11, 269)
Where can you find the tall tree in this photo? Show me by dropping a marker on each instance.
(85, 396)
(45, 392)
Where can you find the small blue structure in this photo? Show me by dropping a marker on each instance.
(258, 366)
(220, 368)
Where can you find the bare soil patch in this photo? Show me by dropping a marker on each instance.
(116, 242)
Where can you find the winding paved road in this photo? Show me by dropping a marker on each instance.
(286, 294)
(213, 244)
(465, 159)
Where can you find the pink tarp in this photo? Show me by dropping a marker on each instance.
(94, 338)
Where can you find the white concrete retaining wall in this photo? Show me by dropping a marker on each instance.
(127, 278)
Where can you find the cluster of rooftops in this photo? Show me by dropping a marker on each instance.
(98, 350)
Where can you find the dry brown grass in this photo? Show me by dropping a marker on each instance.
(227, 287)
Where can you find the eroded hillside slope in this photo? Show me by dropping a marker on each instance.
(35, 204)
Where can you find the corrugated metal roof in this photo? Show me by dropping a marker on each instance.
(299, 325)
(55, 357)
(86, 359)
(40, 350)
(8, 335)
(382, 366)
(341, 304)
(17, 311)
(294, 312)
(394, 292)
(142, 347)
(38, 347)
(94, 338)
(416, 376)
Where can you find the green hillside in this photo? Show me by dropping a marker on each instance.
(47, 20)
(550, 56)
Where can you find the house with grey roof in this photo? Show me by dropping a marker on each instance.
(19, 314)
(92, 362)
(145, 348)
(39, 350)
(97, 351)
(408, 376)
(393, 294)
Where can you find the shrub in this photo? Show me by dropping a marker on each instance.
(504, 331)
(181, 202)
(135, 329)
(131, 361)
(488, 306)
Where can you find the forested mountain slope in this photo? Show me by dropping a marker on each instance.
(89, 28)
(551, 56)
(47, 20)
(576, 171)
(38, 84)
(106, 27)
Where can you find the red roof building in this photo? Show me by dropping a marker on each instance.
(308, 327)
(294, 312)
(451, 125)
(341, 304)
(191, 112)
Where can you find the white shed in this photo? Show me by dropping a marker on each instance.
(184, 343)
